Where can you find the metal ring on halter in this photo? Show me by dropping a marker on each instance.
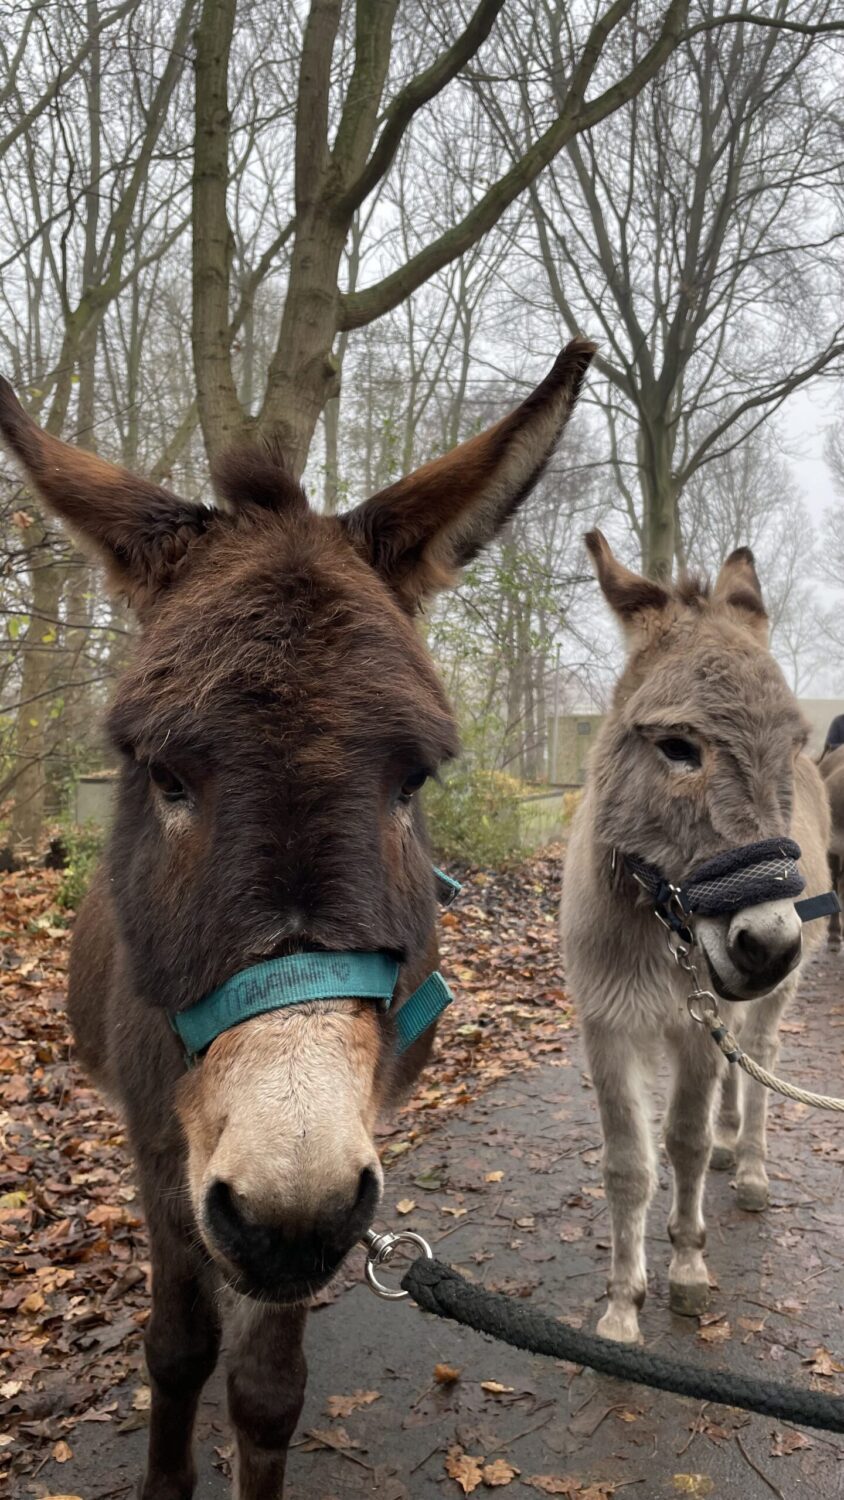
(380, 1248)
(709, 1013)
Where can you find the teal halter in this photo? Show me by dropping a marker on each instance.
(302, 977)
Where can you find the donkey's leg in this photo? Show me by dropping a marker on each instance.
(619, 1073)
(759, 1038)
(727, 1123)
(266, 1387)
(688, 1140)
(182, 1343)
(833, 935)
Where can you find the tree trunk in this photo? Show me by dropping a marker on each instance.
(303, 374)
(30, 771)
(659, 496)
(331, 423)
(220, 411)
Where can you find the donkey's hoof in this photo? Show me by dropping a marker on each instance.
(833, 943)
(688, 1298)
(752, 1196)
(621, 1325)
(722, 1159)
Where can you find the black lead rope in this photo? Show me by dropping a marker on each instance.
(440, 1289)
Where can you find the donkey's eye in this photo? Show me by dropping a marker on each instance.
(167, 782)
(412, 784)
(679, 751)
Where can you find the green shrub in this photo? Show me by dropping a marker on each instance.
(83, 843)
(473, 816)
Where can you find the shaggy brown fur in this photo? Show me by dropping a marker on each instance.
(279, 714)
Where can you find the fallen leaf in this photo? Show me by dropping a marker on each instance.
(495, 1388)
(494, 1177)
(549, 1484)
(785, 1442)
(464, 1469)
(499, 1472)
(431, 1180)
(397, 1148)
(62, 1451)
(142, 1398)
(715, 1333)
(405, 1205)
(33, 1303)
(18, 1199)
(822, 1363)
(751, 1325)
(446, 1374)
(343, 1406)
(320, 1437)
(693, 1484)
(10, 1388)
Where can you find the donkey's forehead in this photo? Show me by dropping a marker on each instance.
(288, 619)
(712, 674)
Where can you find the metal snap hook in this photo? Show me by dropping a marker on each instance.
(380, 1247)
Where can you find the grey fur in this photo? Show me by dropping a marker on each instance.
(698, 666)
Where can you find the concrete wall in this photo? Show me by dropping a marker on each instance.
(820, 712)
(569, 746)
(94, 798)
(576, 734)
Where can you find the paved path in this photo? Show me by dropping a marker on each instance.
(509, 1191)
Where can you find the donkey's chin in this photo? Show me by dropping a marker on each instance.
(732, 990)
(286, 1293)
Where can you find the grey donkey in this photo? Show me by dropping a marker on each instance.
(702, 751)
(831, 767)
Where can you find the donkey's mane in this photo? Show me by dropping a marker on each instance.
(258, 473)
(693, 589)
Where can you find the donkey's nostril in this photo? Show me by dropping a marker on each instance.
(762, 960)
(222, 1212)
(749, 952)
(368, 1192)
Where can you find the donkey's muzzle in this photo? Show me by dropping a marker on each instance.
(289, 1258)
(764, 952)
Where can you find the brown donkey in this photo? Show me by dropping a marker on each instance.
(279, 717)
(701, 754)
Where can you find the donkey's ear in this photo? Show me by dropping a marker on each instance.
(737, 585)
(421, 530)
(629, 595)
(140, 531)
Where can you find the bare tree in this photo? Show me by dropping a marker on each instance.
(699, 228)
(346, 141)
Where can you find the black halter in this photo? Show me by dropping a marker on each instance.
(745, 876)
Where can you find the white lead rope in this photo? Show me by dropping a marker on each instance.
(733, 1053)
(703, 1008)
